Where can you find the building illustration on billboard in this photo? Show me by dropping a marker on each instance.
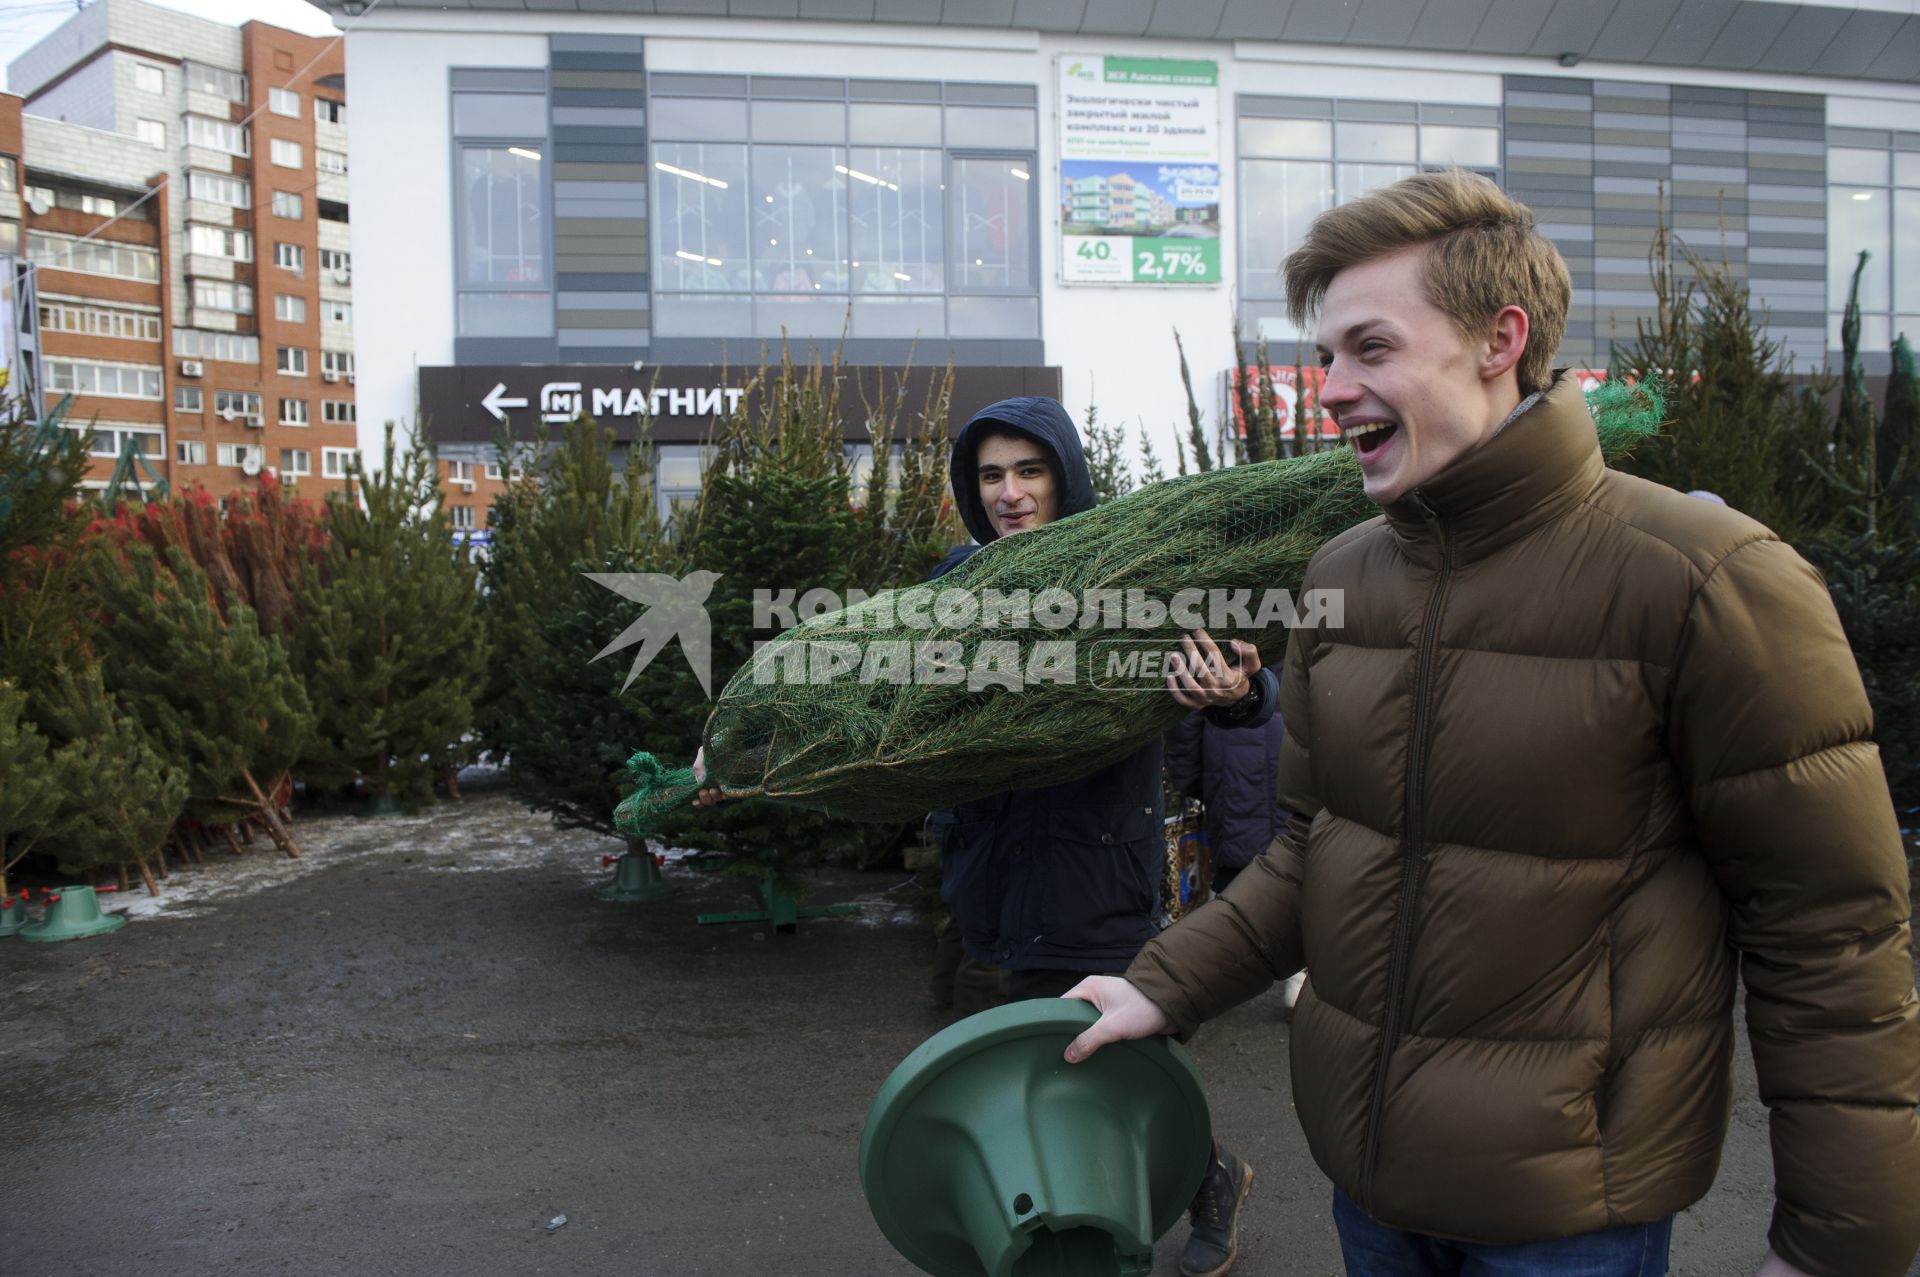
(1100, 197)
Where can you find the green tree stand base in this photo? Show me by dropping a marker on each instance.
(383, 805)
(636, 877)
(13, 916)
(987, 1153)
(73, 914)
(782, 910)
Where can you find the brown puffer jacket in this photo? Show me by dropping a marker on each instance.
(1580, 739)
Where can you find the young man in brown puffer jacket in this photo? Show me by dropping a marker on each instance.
(1583, 748)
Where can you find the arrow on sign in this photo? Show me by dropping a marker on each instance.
(497, 399)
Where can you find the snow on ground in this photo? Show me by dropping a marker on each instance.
(483, 833)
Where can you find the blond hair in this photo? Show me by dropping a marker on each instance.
(1484, 255)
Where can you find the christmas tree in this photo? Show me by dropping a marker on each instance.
(30, 800)
(391, 644)
(212, 695)
(119, 797)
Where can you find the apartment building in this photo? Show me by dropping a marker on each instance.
(185, 215)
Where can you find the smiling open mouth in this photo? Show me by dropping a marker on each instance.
(1369, 439)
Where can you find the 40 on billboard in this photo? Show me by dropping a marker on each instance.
(1132, 259)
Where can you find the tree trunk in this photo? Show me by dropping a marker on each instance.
(453, 783)
(269, 817)
(226, 831)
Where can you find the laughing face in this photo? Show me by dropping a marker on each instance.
(1016, 483)
(1407, 390)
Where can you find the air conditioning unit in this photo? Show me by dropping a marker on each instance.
(254, 421)
(466, 485)
(349, 379)
(192, 368)
(329, 375)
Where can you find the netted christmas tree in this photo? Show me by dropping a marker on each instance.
(988, 679)
(390, 645)
(31, 795)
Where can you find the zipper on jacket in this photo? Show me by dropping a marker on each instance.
(1413, 867)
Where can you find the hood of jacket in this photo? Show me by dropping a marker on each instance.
(1046, 423)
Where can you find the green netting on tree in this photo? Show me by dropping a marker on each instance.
(799, 724)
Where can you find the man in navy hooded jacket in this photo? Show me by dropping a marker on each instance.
(1055, 883)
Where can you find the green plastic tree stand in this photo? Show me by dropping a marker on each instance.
(73, 914)
(382, 805)
(13, 915)
(782, 910)
(636, 877)
(987, 1153)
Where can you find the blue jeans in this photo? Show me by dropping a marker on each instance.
(1374, 1250)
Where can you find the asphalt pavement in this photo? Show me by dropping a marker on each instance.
(414, 1048)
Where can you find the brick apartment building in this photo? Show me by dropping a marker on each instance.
(179, 187)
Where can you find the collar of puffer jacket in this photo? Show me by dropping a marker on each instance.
(1541, 465)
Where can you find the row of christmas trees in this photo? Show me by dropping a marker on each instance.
(166, 666)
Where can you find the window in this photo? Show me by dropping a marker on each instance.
(218, 81)
(219, 294)
(337, 412)
(773, 216)
(1873, 203)
(110, 439)
(290, 257)
(218, 188)
(230, 404)
(460, 517)
(284, 153)
(296, 461)
(287, 204)
(233, 348)
(149, 78)
(334, 312)
(284, 102)
(189, 399)
(82, 202)
(459, 472)
(493, 470)
(330, 161)
(337, 361)
(329, 112)
(152, 132)
(112, 381)
(292, 360)
(190, 452)
(9, 175)
(9, 237)
(220, 241)
(60, 316)
(1299, 159)
(238, 454)
(334, 462)
(331, 210)
(503, 244)
(293, 412)
(337, 262)
(93, 256)
(290, 309)
(217, 135)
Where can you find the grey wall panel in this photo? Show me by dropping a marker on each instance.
(601, 251)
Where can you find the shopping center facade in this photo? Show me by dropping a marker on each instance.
(550, 200)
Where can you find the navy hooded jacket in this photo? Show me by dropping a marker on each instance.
(1066, 877)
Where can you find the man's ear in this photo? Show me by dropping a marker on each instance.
(1506, 344)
